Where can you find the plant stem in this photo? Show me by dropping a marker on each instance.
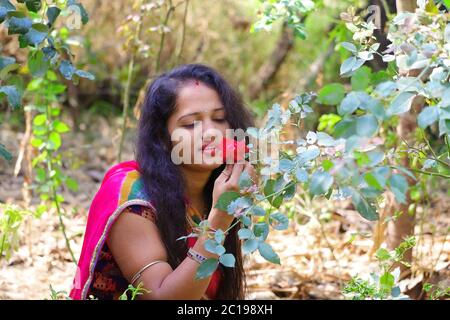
(163, 36)
(54, 196)
(183, 34)
(126, 94)
(437, 174)
(63, 227)
(126, 105)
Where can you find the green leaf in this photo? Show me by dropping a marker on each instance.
(320, 183)
(225, 199)
(301, 174)
(52, 14)
(60, 127)
(40, 175)
(401, 104)
(210, 245)
(386, 88)
(37, 64)
(399, 186)
(361, 78)
(245, 180)
(383, 254)
(331, 94)
(345, 128)
(266, 251)
(350, 65)
(84, 74)
(39, 120)
(282, 222)
(54, 140)
(219, 235)
(207, 268)
(349, 46)
(364, 207)
(327, 164)
(67, 69)
(18, 23)
(245, 233)
(33, 5)
(227, 260)
(387, 282)
(366, 125)
(308, 155)
(249, 246)
(261, 230)
(285, 165)
(36, 34)
(5, 153)
(245, 220)
(220, 250)
(82, 11)
(72, 184)
(5, 61)
(372, 181)
(7, 69)
(428, 116)
(258, 211)
(13, 95)
(5, 4)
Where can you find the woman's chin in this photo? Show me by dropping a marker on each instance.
(204, 166)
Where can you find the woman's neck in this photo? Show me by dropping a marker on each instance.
(195, 184)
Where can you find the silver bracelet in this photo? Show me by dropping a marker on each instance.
(138, 274)
(196, 256)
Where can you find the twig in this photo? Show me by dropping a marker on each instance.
(183, 34)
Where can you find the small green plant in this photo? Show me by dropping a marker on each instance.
(11, 218)
(384, 284)
(435, 292)
(135, 291)
(58, 295)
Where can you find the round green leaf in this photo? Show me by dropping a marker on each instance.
(267, 253)
(428, 116)
(207, 268)
(366, 125)
(249, 246)
(331, 94)
(320, 183)
(227, 260)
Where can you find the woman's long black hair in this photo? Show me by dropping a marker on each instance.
(163, 181)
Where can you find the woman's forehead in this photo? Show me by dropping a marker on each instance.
(197, 98)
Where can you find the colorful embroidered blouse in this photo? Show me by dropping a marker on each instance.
(108, 282)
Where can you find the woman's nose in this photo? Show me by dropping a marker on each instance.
(208, 124)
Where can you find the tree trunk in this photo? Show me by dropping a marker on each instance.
(268, 70)
(403, 226)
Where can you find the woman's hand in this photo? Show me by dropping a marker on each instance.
(228, 180)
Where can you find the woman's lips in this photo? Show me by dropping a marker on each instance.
(208, 147)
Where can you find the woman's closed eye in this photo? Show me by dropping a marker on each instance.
(190, 126)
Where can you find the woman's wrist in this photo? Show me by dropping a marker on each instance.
(218, 219)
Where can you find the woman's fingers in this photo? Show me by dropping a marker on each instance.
(252, 172)
(226, 173)
(235, 174)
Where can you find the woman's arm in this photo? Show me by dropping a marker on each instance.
(134, 242)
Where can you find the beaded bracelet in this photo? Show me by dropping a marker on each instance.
(196, 256)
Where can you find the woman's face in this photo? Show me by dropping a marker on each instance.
(198, 120)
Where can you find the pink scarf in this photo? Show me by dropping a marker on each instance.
(121, 187)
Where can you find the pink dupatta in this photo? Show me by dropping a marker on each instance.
(121, 187)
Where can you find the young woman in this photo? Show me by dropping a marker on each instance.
(144, 206)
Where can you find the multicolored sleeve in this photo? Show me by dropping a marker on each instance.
(141, 210)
